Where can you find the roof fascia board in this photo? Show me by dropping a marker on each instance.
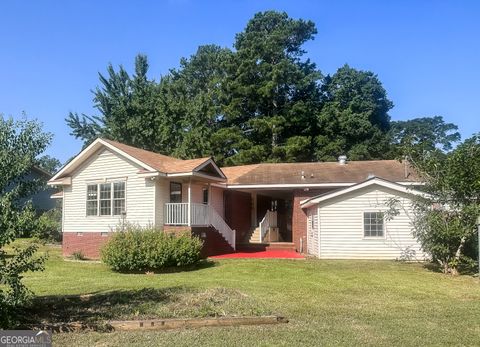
(288, 185)
(197, 174)
(64, 181)
(151, 174)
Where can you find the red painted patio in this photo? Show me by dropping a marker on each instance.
(267, 254)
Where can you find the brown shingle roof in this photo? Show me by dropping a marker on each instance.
(318, 172)
(157, 161)
(282, 173)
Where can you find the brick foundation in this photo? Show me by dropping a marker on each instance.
(176, 229)
(88, 243)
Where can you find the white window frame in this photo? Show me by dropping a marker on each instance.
(112, 199)
(383, 226)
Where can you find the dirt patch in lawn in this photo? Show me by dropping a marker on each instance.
(91, 310)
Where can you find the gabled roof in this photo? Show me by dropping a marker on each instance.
(151, 163)
(305, 174)
(159, 162)
(369, 182)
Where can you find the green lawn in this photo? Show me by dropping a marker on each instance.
(327, 302)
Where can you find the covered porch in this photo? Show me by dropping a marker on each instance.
(260, 216)
(197, 205)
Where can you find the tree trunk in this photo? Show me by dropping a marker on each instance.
(458, 253)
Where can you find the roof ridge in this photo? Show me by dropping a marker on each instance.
(116, 143)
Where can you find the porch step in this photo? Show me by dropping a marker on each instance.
(252, 247)
(287, 246)
(255, 236)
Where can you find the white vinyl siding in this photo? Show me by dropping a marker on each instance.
(312, 231)
(107, 167)
(217, 201)
(342, 227)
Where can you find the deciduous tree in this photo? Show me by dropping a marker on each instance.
(21, 143)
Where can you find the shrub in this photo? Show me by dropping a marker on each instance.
(78, 255)
(49, 226)
(143, 249)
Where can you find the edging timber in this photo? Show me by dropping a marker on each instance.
(179, 323)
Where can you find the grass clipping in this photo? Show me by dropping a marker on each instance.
(148, 303)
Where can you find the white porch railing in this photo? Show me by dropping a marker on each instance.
(200, 215)
(268, 221)
(176, 214)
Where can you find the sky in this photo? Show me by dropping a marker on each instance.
(426, 53)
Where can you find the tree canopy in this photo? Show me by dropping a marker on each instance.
(263, 100)
(445, 218)
(21, 143)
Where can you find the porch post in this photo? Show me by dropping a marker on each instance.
(254, 209)
(189, 213)
(209, 194)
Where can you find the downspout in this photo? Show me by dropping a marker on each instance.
(189, 210)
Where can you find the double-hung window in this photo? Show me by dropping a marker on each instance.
(92, 200)
(106, 199)
(175, 192)
(373, 224)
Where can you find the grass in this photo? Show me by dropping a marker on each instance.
(381, 303)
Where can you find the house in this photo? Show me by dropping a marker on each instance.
(273, 205)
(40, 200)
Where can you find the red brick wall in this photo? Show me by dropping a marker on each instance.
(299, 217)
(238, 209)
(89, 243)
(213, 241)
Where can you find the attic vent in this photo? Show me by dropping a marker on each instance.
(342, 160)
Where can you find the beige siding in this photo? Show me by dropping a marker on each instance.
(162, 196)
(341, 227)
(140, 194)
(216, 200)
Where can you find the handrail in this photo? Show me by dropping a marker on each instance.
(268, 221)
(201, 215)
(223, 228)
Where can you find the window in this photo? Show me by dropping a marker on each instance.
(118, 198)
(373, 224)
(175, 192)
(205, 196)
(106, 199)
(92, 200)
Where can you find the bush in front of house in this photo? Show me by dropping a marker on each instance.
(144, 249)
